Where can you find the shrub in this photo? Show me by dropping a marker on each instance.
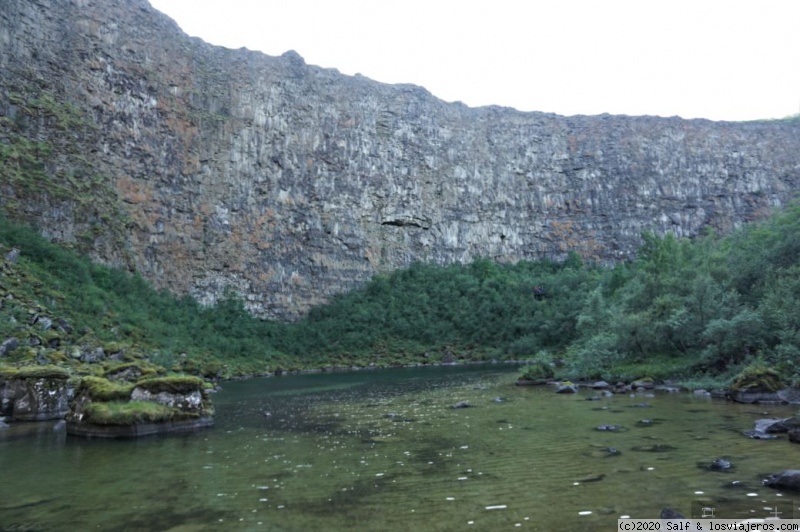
(538, 371)
(757, 378)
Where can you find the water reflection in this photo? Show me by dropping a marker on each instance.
(387, 450)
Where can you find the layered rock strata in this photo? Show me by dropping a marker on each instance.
(207, 169)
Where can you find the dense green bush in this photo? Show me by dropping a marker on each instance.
(701, 307)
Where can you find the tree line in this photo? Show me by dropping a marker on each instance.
(698, 308)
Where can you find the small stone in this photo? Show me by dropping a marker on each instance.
(12, 256)
(669, 513)
(720, 464)
(8, 345)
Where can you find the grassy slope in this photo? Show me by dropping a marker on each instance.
(699, 310)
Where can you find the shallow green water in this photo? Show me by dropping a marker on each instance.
(386, 451)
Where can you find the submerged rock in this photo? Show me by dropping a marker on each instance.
(655, 448)
(719, 464)
(609, 428)
(788, 479)
(736, 484)
(462, 404)
(777, 425)
(605, 452)
(592, 478)
(669, 513)
(759, 435)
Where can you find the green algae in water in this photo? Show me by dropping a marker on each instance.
(386, 450)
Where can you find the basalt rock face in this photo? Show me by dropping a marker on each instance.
(34, 399)
(205, 168)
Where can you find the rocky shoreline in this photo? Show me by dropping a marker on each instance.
(100, 407)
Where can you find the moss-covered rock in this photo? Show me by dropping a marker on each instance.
(537, 373)
(42, 372)
(757, 384)
(126, 413)
(115, 409)
(180, 384)
(758, 378)
(34, 393)
(100, 389)
(130, 372)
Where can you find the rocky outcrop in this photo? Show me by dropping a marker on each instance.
(110, 409)
(207, 169)
(759, 385)
(35, 394)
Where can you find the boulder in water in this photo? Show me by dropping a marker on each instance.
(777, 425)
(788, 479)
(759, 435)
(609, 428)
(566, 387)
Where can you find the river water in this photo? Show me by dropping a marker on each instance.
(386, 450)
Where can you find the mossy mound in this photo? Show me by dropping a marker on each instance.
(126, 413)
(537, 372)
(34, 372)
(181, 384)
(100, 389)
(758, 378)
(130, 371)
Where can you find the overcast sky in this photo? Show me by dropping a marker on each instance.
(717, 59)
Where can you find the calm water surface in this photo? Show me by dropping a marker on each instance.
(386, 451)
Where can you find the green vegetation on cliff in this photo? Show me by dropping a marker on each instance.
(702, 309)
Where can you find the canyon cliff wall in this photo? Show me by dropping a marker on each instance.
(205, 168)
